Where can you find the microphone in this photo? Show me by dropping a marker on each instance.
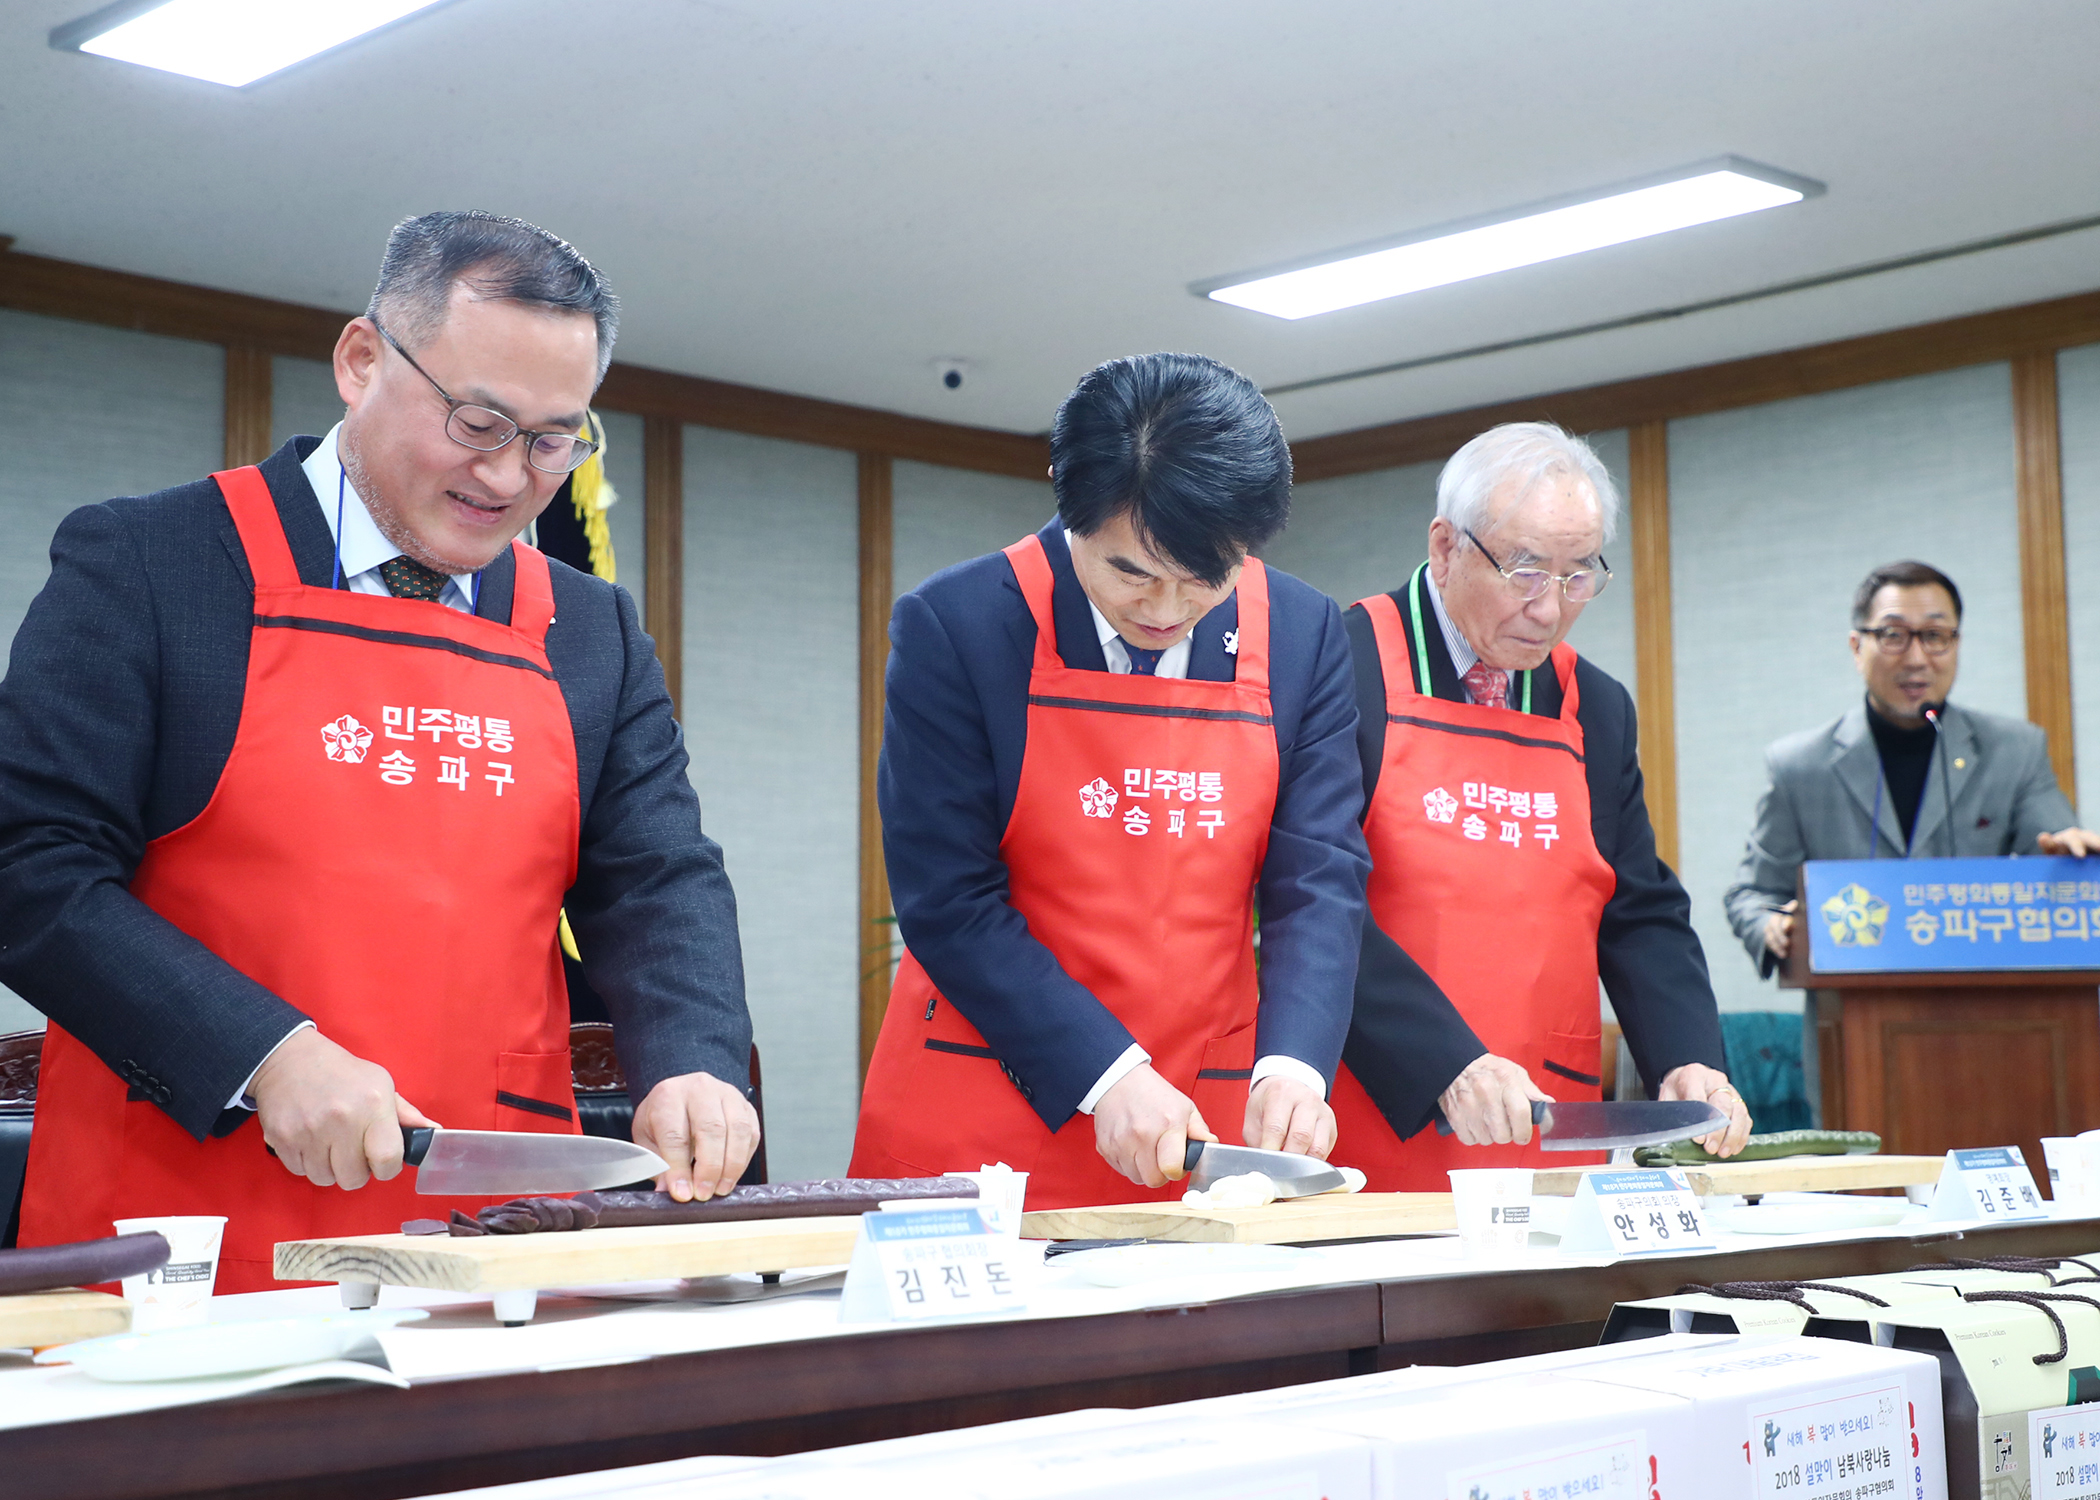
(1933, 713)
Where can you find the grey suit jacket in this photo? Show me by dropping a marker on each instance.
(1822, 796)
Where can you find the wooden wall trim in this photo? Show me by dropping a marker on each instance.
(1655, 679)
(663, 547)
(1978, 339)
(247, 405)
(89, 294)
(877, 944)
(2044, 606)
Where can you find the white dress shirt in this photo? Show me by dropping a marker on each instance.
(1463, 656)
(361, 548)
(1174, 662)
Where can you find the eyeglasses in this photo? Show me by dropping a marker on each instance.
(1894, 640)
(485, 431)
(1579, 587)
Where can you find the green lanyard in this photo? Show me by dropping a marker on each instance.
(1414, 605)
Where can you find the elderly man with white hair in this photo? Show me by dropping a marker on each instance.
(1513, 864)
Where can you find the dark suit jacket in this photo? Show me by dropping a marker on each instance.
(953, 736)
(122, 696)
(1408, 1041)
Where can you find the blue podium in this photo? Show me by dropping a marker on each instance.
(1957, 1000)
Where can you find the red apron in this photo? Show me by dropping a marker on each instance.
(387, 849)
(1136, 838)
(1484, 869)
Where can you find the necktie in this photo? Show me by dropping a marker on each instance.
(1143, 663)
(1488, 685)
(408, 579)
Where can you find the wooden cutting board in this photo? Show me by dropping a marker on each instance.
(1330, 1216)
(1787, 1174)
(36, 1320)
(584, 1257)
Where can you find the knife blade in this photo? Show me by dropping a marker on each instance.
(518, 1163)
(1616, 1123)
(1295, 1176)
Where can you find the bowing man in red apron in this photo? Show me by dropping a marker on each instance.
(1513, 865)
(1102, 746)
(353, 925)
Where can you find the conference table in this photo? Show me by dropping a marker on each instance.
(787, 1378)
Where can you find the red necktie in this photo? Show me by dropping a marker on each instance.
(1488, 685)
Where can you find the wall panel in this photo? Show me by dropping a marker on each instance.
(303, 399)
(1777, 512)
(771, 716)
(941, 517)
(113, 413)
(2078, 391)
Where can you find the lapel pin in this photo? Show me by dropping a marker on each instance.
(1960, 763)
(1232, 643)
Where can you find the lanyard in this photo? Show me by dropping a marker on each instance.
(1414, 606)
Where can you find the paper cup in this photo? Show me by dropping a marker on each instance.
(1494, 1209)
(1002, 1193)
(179, 1293)
(2069, 1181)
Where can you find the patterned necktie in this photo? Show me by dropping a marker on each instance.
(408, 579)
(1143, 663)
(1488, 685)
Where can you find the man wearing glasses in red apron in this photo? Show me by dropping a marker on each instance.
(299, 765)
(1513, 864)
(1103, 749)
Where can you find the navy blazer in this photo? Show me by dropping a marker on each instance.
(954, 731)
(1408, 1041)
(122, 697)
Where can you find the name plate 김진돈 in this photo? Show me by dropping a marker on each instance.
(914, 1264)
(1635, 1213)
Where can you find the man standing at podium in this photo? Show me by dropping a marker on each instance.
(1903, 774)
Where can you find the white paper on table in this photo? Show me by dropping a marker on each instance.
(59, 1393)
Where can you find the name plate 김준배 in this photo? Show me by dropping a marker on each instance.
(1895, 916)
(1634, 1213)
(1990, 1185)
(914, 1264)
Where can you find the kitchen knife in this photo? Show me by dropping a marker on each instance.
(518, 1163)
(1294, 1176)
(1580, 1126)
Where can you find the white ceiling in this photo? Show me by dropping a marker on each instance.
(825, 196)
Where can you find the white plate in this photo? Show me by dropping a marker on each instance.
(1813, 1214)
(226, 1348)
(1129, 1265)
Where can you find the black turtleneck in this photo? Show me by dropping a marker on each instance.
(1906, 754)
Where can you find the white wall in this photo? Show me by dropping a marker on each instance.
(1777, 512)
(940, 517)
(110, 412)
(771, 708)
(303, 400)
(2078, 393)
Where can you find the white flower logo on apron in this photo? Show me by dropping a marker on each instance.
(346, 740)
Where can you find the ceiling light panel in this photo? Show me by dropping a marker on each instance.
(233, 42)
(1702, 194)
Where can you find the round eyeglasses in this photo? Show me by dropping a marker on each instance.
(1894, 640)
(486, 430)
(1578, 587)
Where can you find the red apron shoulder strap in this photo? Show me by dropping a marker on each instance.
(262, 532)
(1032, 572)
(1563, 659)
(1390, 631)
(532, 595)
(1251, 669)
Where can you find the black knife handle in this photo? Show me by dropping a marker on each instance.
(415, 1144)
(1188, 1160)
(1538, 1116)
